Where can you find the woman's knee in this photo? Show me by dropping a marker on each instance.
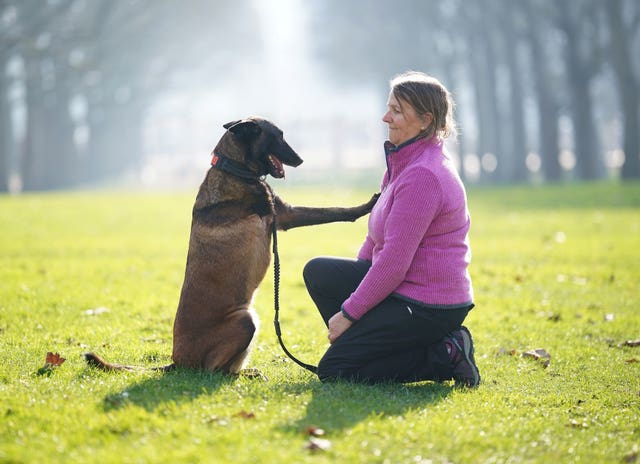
(311, 269)
(317, 273)
(328, 372)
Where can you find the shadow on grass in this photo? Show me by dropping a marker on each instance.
(178, 386)
(341, 405)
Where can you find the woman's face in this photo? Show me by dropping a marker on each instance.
(403, 121)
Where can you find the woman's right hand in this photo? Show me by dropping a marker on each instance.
(338, 324)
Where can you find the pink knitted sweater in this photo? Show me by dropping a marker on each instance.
(417, 239)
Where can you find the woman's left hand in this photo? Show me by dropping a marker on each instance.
(337, 326)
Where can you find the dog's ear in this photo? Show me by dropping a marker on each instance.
(229, 124)
(246, 129)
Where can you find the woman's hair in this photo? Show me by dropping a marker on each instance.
(426, 94)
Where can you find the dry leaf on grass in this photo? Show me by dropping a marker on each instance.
(632, 343)
(504, 351)
(314, 431)
(245, 415)
(539, 354)
(52, 361)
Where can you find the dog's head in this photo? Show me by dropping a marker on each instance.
(266, 149)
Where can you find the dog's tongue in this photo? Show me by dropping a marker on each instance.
(277, 169)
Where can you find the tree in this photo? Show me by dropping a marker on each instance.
(510, 15)
(5, 127)
(621, 35)
(114, 59)
(578, 22)
(487, 36)
(546, 81)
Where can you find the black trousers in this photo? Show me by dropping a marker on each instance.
(395, 341)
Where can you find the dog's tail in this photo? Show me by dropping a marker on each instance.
(96, 361)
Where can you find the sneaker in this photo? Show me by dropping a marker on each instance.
(465, 371)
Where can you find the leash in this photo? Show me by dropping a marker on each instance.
(239, 170)
(276, 300)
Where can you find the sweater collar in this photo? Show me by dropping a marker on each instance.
(400, 156)
(391, 148)
(408, 150)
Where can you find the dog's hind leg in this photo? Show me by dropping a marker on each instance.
(233, 342)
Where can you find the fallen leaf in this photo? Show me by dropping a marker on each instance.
(504, 351)
(539, 354)
(631, 361)
(52, 361)
(632, 343)
(314, 431)
(245, 415)
(318, 444)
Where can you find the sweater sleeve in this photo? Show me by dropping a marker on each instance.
(417, 200)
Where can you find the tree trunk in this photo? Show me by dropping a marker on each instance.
(34, 148)
(49, 157)
(62, 160)
(627, 88)
(588, 160)
(484, 78)
(518, 168)
(548, 106)
(6, 133)
(115, 143)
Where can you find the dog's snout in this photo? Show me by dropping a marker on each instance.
(298, 162)
(288, 156)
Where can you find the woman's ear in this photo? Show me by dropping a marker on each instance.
(427, 120)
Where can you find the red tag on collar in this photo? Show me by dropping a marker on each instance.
(214, 160)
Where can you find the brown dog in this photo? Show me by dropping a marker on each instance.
(229, 247)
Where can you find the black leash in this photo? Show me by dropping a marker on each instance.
(239, 170)
(276, 299)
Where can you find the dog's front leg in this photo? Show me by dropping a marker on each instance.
(289, 216)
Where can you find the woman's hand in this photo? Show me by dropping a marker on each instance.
(337, 325)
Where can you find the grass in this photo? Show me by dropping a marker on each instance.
(553, 268)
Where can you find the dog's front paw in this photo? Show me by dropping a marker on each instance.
(372, 202)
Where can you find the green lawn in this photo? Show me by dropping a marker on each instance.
(556, 268)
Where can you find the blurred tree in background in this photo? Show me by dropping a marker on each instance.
(545, 89)
(89, 70)
(554, 57)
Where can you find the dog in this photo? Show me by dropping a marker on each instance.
(229, 247)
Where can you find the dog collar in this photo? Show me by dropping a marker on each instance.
(232, 167)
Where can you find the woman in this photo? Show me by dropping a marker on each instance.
(395, 313)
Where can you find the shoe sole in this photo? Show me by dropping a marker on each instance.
(468, 351)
